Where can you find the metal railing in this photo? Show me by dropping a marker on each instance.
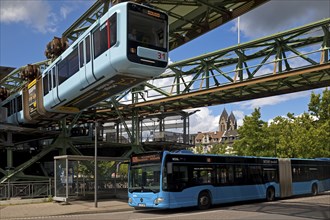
(44, 189)
(24, 189)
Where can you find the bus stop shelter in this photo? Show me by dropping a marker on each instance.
(74, 176)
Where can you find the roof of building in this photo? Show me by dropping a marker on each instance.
(213, 135)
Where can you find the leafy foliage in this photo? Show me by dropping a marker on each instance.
(252, 136)
(304, 136)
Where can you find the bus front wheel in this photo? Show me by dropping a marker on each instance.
(314, 189)
(204, 201)
(270, 194)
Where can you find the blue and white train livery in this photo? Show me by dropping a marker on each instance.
(126, 46)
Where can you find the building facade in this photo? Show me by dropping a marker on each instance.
(226, 134)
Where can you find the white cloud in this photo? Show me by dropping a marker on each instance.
(35, 14)
(65, 10)
(239, 115)
(277, 15)
(273, 100)
(203, 120)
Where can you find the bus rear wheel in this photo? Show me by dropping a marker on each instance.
(314, 189)
(204, 201)
(270, 194)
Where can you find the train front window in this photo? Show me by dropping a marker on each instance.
(147, 28)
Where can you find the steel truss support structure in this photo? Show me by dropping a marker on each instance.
(61, 143)
(286, 62)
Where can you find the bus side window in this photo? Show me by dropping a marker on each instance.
(254, 174)
(222, 175)
(240, 174)
(230, 174)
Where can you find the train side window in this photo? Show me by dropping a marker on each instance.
(54, 76)
(100, 40)
(81, 54)
(73, 62)
(13, 107)
(63, 71)
(113, 29)
(45, 82)
(7, 106)
(88, 49)
(19, 103)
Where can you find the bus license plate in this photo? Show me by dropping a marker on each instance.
(142, 205)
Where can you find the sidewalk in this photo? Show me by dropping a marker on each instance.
(38, 207)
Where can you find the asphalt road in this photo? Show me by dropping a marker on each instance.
(317, 207)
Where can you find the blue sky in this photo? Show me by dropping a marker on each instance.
(26, 26)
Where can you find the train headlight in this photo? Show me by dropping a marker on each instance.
(158, 200)
(130, 200)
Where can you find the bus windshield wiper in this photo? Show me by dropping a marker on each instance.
(150, 190)
(142, 189)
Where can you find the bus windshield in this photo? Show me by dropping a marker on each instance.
(147, 28)
(145, 178)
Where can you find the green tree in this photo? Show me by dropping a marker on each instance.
(320, 106)
(322, 140)
(198, 149)
(252, 136)
(219, 148)
(304, 136)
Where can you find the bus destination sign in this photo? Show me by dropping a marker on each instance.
(146, 158)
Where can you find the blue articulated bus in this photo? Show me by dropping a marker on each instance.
(182, 179)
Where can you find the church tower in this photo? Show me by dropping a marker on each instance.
(232, 122)
(223, 121)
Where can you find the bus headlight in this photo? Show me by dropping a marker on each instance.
(130, 200)
(158, 200)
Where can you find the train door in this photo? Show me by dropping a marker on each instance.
(56, 99)
(82, 64)
(89, 72)
(14, 108)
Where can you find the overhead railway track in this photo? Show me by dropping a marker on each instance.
(287, 62)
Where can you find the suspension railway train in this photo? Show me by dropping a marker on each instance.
(126, 46)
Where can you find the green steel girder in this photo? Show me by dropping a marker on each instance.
(118, 111)
(13, 81)
(290, 61)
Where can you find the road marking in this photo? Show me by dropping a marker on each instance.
(177, 215)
